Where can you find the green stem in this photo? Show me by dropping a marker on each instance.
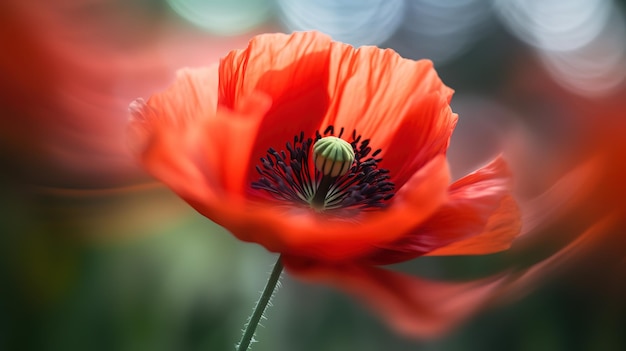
(319, 199)
(260, 307)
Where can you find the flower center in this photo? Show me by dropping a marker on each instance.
(341, 175)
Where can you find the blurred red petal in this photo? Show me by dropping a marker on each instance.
(501, 229)
(179, 142)
(601, 246)
(68, 80)
(412, 306)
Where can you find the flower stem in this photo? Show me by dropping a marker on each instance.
(319, 199)
(260, 306)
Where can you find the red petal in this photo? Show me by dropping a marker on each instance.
(371, 90)
(423, 133)
(291, 69)
(502, 227)
(412, 306)
(303, 232)
(480, 217)
(186, 142)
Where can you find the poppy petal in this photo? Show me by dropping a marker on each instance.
(291, 69)
(482, 190)
(412, 306)
(273, 64)
(371, 89)
(428, 124)
(159, 132)
(502, 228)
(479, 217)
(185, 140)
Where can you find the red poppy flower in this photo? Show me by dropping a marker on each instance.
(235, 142)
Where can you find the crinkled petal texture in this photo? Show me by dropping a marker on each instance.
(204, 136)
(480, 217)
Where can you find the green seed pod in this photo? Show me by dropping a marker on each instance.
(333, 156)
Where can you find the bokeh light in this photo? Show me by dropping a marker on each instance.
(368, 22)
(555, 24)
(596, 68)
(224, 17)
(581, 43)
(442, 30)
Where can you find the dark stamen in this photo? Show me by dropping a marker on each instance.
(287, 176)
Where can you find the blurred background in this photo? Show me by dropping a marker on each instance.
(94, 255)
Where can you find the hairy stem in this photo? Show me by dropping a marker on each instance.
(260, 306)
